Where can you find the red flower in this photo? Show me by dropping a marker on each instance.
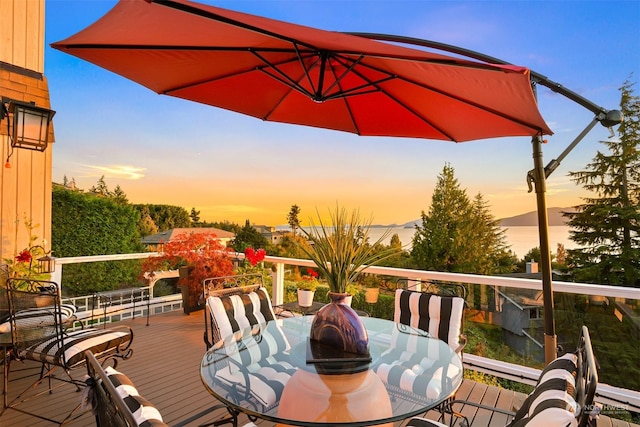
(312, 273)
(254, 256)
(24, 256)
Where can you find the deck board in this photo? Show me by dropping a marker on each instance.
(165, 369)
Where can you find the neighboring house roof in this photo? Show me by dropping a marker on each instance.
(174, 233)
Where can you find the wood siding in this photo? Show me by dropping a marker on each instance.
(25, 186)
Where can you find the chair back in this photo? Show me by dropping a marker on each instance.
(440, 316)
(564, 392)
(232, 304)
(586, 380)
(35, 312)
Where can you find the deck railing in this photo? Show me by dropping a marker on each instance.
(625, 309)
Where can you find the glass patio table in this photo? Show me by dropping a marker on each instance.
(270, 372)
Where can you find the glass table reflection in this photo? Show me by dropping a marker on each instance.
(263, 372)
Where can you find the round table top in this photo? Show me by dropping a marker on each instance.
(409, 373)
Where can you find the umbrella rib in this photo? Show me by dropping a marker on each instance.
(282, 77)
(452, 96)
(391, 96)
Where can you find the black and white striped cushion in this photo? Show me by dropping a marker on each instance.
(262, 365)
(410, 364)
(37, 317)
(439, 316)
(552, 402)
(233, 313)
(145, 414)
(71, 348)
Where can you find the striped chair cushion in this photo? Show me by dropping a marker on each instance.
(232, 313)
(73, 344)
(440, 316)
(552, 401)
(145, 414)
(262, 365)
(37, 317)
(404, 365)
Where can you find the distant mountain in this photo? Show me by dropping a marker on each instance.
(523, 220)
(531, 218)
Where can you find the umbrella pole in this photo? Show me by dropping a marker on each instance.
(550, 339)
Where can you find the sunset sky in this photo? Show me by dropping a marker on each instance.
(233, 167)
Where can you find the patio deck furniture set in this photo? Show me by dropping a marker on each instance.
(250, 355)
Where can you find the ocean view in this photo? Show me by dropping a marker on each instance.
(521, 239)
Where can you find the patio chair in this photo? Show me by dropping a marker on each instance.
(114, 399)
(563, 395)
(39, 326)
(439, 310)
(230, 312)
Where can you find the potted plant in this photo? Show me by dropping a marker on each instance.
(306, 289)
(372, 289)
(26, 263)
(197, 256)
(341, 251)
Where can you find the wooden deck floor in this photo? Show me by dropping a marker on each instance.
(165, 368)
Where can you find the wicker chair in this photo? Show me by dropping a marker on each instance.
(40, 329)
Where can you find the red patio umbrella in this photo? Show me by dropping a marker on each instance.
(290, 73)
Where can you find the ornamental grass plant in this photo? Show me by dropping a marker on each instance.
(341, 249)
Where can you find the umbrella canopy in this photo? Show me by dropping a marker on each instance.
(289, 73)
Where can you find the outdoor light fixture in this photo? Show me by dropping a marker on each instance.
(47, 264)
(27, 124)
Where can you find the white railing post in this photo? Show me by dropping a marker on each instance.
(277, 286)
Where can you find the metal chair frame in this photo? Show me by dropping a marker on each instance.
(21, 295)
(226, 286)
(586, 384)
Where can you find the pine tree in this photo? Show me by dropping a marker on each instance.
(195, 216)
(607, 226)
(458, 235)
(439, 243)
(292, 218)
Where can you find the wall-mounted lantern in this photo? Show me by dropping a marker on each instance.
(27, 124)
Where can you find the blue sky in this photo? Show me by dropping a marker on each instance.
(232, 167)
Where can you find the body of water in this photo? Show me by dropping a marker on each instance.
(521, 239)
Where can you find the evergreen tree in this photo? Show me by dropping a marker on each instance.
(607, 226)
(292, 218)
(458, 235)
(248, 236)
(195, 216)
(146, 225)
(491, 253)
(440, 243)
(119, 196)
(100, 189)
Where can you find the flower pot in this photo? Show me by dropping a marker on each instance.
(371, 295)
(348, 300)
(339, 326)
(305, 297)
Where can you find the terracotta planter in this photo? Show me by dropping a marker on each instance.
(371, 295)
(305, 297)
(339, 326)
(185, 290)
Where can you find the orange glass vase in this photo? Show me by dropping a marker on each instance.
(342, 398)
